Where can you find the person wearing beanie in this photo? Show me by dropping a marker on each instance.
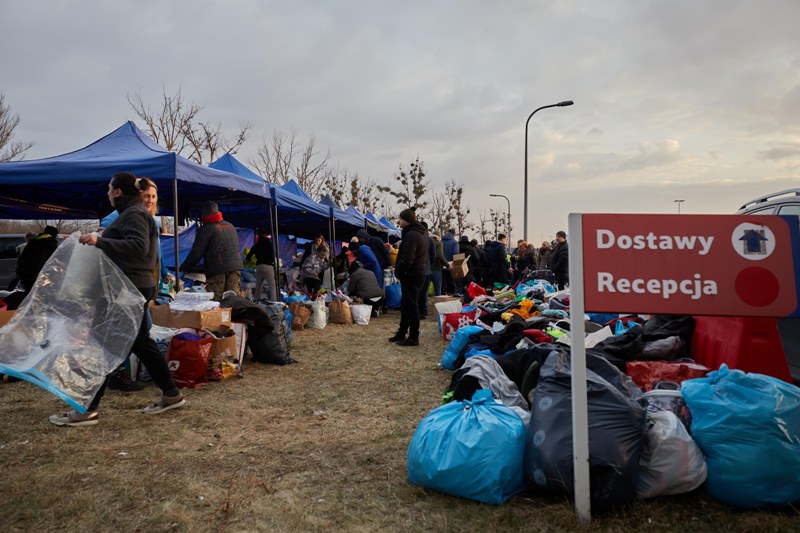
(35, 255)
(217, 244)
(450, 248)
(412, 258)
(559, 260)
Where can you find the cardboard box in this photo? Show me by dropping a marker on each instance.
(5, 316)
(212, 319)
(458, 266)
(445, 298)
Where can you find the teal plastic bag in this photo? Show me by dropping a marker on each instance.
(748, 426)
(472, 449)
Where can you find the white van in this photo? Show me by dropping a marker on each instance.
(8, 257)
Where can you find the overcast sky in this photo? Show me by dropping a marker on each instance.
(680, 99)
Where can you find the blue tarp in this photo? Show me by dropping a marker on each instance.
(74, 185)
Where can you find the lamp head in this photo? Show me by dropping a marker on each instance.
(565, 103)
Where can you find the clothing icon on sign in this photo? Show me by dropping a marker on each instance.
(754, 242)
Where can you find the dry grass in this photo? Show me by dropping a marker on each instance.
(317, 446)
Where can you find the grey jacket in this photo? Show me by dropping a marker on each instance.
(131, 241)
(364, 285)
(217, 244)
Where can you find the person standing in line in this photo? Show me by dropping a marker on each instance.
(422, 301)
(217, 244)
(559, 260)
(412, 259)
(543, 256)
(265, 271)
(498, 267)
(131, 242)
(450, 247)
(438, 264)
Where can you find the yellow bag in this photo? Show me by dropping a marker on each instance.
(339, 311)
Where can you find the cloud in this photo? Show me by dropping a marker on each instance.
(653, 155)
(781, 151)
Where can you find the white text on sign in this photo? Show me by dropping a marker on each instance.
(608, 239)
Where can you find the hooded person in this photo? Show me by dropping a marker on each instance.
(377, 246)
(364, 254)
(217, 244)
(412, 260)
(497, 266)
(35, 255)
(438, 263)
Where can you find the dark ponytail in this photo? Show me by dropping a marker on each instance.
(130, 186)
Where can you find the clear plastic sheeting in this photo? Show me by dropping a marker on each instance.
(77, 324)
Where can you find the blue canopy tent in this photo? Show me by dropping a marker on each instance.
(394, 232)
(75, 185)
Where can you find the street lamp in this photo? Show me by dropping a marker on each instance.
(508, 212)
(565, 103)
(679, 202)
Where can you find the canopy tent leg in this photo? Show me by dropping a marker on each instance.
(273, 220)
(175, 233)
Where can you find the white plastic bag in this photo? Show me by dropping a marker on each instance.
(77, 324)
(671, 461)
(319, 314)
(361, 313)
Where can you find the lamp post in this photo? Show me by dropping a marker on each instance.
(565, 103)
(679, 202)
(508, 213)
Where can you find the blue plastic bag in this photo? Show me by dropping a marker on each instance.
(472, 449)
(748, 426)
(457, 343)
(393, 296)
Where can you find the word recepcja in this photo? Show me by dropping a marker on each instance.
(695, 288)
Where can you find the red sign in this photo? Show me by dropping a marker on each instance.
(737, 265)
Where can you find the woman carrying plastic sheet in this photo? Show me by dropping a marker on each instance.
(131, 242)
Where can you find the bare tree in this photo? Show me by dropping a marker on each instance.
(458, 212)
(10, 150)
(348, 189)
(410, 187)
(497, 220)
(439, 213)
(281, 158)
(177, 127)
(482, 226)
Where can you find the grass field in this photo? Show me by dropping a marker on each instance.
(316, 446)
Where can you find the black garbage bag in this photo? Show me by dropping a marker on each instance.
(273, 348)
(616, 432)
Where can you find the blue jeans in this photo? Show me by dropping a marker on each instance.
(436, 278)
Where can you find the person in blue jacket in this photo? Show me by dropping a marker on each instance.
(367, 258)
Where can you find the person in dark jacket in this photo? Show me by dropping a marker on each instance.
(450, 247)
(543, 256)
(473, 263)
(378, 248)
(363, 285)
(412, 258)
(438, 264)
(217, 244)
(422, 300)
(35, 255)
(265, 269)
(559, 260)
(131, 242)
(480, 262)
(498, 268)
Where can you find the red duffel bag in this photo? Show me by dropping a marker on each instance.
(187, 358)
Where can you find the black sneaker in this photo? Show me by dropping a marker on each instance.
(121, 381)
(397, 337)
(408, 342)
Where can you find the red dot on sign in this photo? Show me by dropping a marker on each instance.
(757, 286)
